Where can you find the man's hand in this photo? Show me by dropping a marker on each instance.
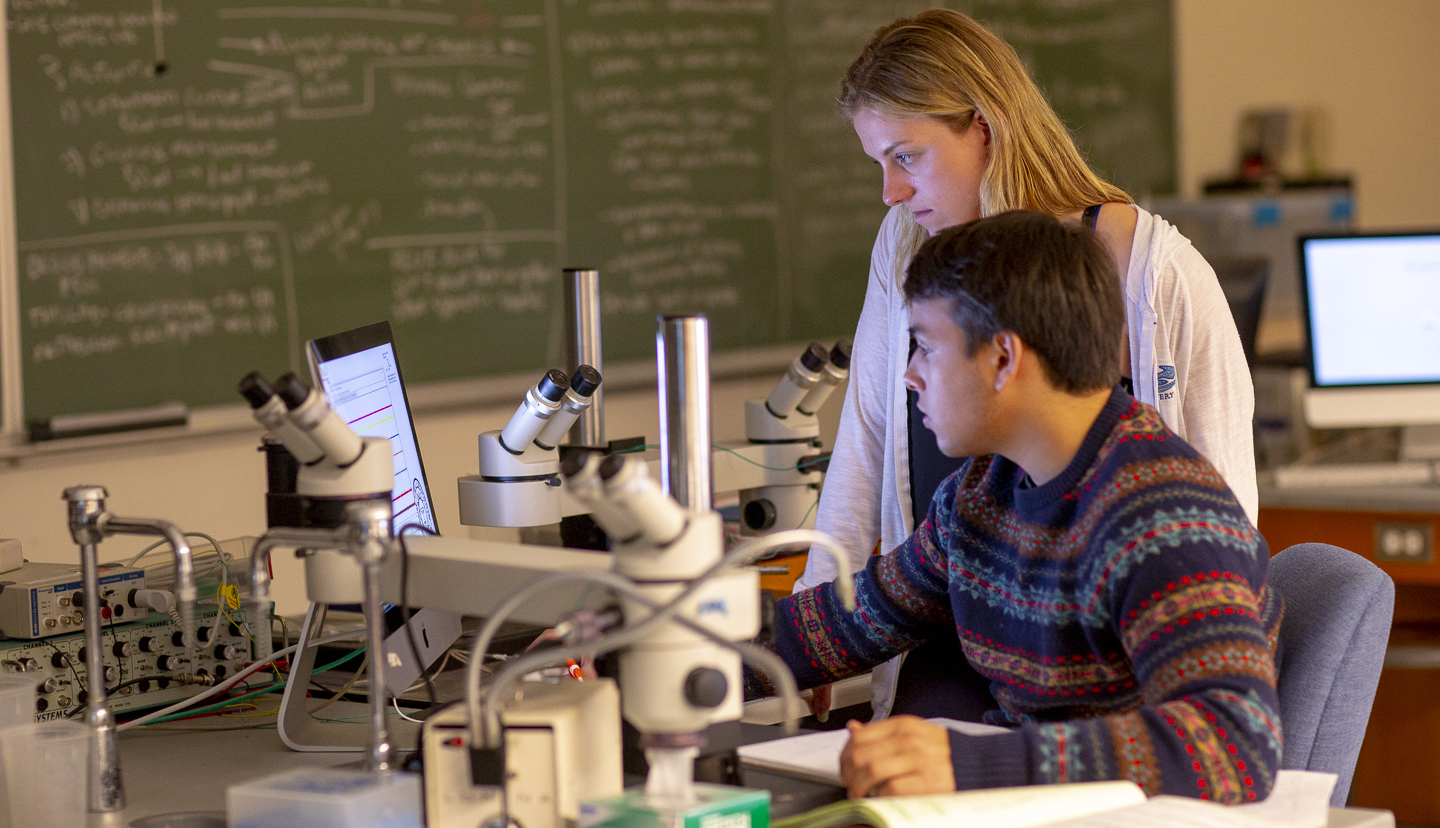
(820, 702)
(898, 756)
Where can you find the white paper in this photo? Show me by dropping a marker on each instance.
(1300, 799)
(817, 755)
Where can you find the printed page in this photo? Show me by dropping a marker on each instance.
(1300, 799)
(1021, 807)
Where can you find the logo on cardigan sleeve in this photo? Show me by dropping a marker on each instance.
(1167, 381)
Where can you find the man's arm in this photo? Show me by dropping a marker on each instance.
(1201, 638)
(901, 600)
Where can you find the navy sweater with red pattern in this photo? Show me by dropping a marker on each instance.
(1119, 611)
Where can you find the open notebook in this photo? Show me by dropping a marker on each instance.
(1300, 799)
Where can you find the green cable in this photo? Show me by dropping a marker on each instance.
(253, 693)
(795, 467)
(734, 452)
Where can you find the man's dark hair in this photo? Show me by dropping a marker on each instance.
(1052, 284)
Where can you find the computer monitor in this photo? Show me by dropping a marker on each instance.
(360, 375)
(1372, 314)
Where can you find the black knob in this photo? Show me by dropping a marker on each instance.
(706, 687)
(758, 515)
(77, 599)
(204, 634)
(178, 639)
(41, 705)
(840, 354)
(61, 660)
(148, 645)
(225, 652)
(169, 662)
(123, 649)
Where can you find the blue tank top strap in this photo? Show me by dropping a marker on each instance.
(1090, 216)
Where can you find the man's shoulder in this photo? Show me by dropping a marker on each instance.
(1143, 462)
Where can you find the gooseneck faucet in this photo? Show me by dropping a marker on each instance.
(367, 536)
(90, 523)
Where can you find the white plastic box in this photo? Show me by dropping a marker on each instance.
(326, 798)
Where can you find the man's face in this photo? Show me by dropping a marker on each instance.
(956, 390)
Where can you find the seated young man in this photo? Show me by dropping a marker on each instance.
(1096, 569)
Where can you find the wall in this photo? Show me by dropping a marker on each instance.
(1373, 67)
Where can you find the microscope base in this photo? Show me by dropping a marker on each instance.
(297, 730)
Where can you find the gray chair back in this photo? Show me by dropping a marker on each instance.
(1338, 607)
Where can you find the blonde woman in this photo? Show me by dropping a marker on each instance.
(960, 131)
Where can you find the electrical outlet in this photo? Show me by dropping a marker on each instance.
(1404, 542)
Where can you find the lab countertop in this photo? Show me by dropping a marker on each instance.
(173, 779)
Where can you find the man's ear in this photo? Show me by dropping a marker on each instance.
(1006, 349)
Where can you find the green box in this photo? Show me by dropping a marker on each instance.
(717, 806)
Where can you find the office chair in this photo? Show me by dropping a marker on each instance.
(1332, 645)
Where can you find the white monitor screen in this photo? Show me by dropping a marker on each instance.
(360, 376)
(1372, 309)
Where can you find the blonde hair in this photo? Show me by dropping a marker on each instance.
(942, 64)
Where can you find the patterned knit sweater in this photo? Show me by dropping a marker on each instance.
(1119, 611)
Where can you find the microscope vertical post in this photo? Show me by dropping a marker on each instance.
(106, 790)
(582, 322)
(373, 536)
(89, 524)
(682, 351)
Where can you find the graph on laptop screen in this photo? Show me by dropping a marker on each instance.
(360, 376)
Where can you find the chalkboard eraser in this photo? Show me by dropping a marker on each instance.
(108, 422)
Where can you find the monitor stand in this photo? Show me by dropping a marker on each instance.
(1420, 442)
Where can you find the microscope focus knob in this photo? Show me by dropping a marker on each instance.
(706, 687)
(758, 515)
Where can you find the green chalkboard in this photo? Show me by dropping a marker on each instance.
(202, 186)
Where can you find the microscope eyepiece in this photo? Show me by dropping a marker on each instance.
(840, 354)
(292, 390)
(611, 466)
(585, 381)
(814, 357)
(552, 385)
(256, 389)
(574, 462)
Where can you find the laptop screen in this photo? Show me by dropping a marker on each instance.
(360, 375)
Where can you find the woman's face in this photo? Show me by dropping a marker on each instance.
(929, 167)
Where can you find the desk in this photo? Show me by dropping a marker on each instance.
(1399, 766)
(170, 772)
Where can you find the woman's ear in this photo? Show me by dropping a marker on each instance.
(984, 126)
